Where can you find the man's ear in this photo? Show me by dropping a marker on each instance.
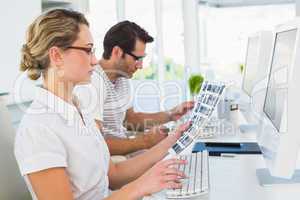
(55, 56)
(117, 52)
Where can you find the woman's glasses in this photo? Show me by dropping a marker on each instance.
(89, 50)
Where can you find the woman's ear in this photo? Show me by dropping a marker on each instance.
(55, 56)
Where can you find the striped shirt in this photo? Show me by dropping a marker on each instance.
(107, 101)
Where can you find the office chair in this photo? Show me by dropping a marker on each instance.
(12, 184)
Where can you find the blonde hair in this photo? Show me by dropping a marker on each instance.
(57, 27)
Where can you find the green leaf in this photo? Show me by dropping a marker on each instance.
(195, 83)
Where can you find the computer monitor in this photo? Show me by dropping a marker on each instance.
(255, 77)
(251, 64)
(278, 135)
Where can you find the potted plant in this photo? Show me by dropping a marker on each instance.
(195, 83)
(242, 68)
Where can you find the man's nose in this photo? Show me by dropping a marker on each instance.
(139, 64)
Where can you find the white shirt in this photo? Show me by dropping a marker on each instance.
(52, 134)
(107, 101)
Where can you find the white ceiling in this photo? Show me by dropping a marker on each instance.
(233, 3)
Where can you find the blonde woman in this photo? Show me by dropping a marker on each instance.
(59, 150)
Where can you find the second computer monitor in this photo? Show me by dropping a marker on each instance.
(257, 60)
(255, 76)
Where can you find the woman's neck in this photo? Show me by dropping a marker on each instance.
(64, 90)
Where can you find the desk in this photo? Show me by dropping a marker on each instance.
(235, 178)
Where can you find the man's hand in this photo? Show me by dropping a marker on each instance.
(178, 111)
(154, 136)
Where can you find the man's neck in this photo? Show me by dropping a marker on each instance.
(109, 69)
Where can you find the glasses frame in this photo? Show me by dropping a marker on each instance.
(88, 50)
(136, 58)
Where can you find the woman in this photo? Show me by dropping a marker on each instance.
(59, 150)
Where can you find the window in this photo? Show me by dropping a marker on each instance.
(227, 30)
(173, 40)
(101, 17)
(142, 13)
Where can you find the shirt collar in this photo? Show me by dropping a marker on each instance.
(55, 104)
(99, 71)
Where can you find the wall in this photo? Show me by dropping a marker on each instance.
(15, 17)
(297, 8)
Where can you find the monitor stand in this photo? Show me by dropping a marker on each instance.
(248, 122)
(265, 178)
(246, 128)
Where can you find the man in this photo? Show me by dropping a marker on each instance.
(124, 50)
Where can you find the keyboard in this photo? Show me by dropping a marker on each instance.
(197, 172)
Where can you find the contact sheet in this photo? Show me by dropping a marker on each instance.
(205, 104)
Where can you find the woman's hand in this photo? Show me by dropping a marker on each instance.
(174, 136)
(162, 175)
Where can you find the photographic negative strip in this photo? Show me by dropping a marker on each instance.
(204, 87)
(177, 148)
(200, 120)
(204, 110)
(186, 140)
(200, 98)
(222, 89)
(193, 118)
(205, 104)
(209, 87)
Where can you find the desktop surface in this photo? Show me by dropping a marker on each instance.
(235, 179)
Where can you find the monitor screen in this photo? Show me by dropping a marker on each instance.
(276, 97)
(251, 65)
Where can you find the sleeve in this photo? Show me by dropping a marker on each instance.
(38, 148)
(92, 97)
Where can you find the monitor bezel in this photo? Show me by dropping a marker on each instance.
(246, 66)
(270, 70)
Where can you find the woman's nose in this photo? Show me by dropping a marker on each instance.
(94, 60)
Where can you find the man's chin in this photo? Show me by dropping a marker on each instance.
(128, 76)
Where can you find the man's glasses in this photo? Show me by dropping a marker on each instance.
(136, 58)
(89, 50)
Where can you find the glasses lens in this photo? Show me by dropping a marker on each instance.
(140, 59)
(137, 58)
(91, 51)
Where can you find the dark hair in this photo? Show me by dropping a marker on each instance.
(124, 34)
(58, 27)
